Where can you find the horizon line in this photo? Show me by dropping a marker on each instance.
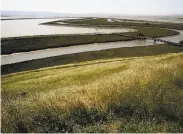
(172, 14)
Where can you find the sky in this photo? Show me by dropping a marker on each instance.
(125, 7)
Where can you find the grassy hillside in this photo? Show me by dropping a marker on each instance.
(142, 94)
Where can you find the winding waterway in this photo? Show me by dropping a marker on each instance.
(175, 38)
(19, 57)
(26, 56)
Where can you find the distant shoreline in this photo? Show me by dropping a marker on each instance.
(36, 18)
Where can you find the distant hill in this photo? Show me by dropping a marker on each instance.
(34, 14)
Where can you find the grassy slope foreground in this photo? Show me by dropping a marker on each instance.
(142, 94)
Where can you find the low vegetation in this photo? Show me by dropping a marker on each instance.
(142, 94)
(181, 42)
(123, 23)
(25, 44)
(88, 56)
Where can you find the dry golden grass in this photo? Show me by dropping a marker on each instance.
(131, 94)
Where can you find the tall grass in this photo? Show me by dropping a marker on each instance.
(123, 95)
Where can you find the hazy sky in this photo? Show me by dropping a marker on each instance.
(143, 7)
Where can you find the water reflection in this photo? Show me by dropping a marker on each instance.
(29, 27)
